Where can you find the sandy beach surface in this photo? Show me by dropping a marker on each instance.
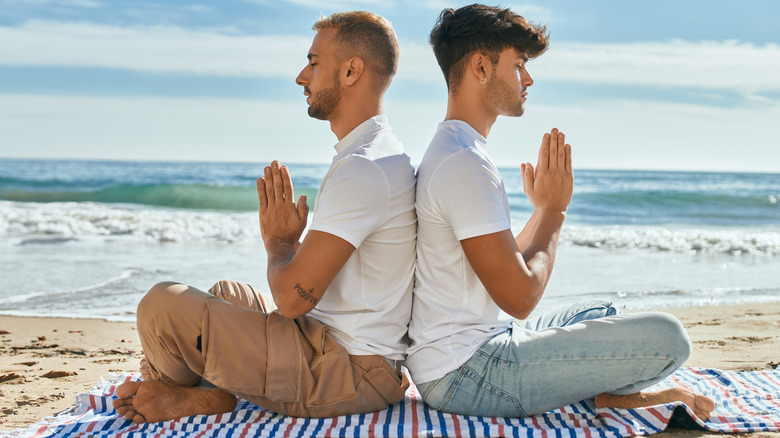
(46, 362)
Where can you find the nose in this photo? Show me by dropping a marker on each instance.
(301, 79)
(527, 79)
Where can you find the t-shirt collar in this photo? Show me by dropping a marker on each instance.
(347, 144)
(465, 128)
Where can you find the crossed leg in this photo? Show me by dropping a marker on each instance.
(702, 406)
(152, 401)
(158, 399)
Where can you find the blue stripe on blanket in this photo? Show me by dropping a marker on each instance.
(746, 402)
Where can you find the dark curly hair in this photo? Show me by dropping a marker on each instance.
(484, 29)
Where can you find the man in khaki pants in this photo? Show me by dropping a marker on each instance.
(343, 293)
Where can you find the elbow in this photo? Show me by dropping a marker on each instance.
(294, 301)
(292, 308)
(522, 301)
(290, 313)
(522, 313)
(521, 310)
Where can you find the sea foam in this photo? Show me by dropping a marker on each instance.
(27, 222)
(736, 241)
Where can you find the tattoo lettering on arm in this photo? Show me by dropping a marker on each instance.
(306, 295)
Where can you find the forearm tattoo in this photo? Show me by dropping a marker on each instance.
(306, 295)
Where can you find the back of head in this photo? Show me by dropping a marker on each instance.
(482, 29)
(369, 37)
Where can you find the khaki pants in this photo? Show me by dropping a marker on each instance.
(232, 338)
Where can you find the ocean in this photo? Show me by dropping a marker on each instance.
(86, 239)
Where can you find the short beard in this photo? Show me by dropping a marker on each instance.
(324, 102)
(503, 97)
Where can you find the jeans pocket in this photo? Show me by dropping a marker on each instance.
(470, 394)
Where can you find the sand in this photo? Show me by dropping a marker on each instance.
(46, 362)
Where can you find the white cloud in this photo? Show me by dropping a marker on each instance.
(634, 134)
(715, 65)
(40, 126)
(726, 66)
(618, 134)
(157, 49)
(722, 66)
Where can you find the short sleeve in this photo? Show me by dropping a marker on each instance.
(469, 193)
(352, 203)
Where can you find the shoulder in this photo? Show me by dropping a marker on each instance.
(460, 166)
(379, 154)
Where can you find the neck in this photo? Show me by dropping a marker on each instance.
(350, 113)
(471, 107)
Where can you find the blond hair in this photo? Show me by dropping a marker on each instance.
(367, 36)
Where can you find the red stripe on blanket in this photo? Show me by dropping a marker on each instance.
(456, 425)
(372, 426)
(657, 414)
(619, 421)
(290, 426)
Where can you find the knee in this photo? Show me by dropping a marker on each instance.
(159, 298)
(223, 289)
(672, 336)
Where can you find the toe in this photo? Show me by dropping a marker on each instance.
(138, 419)
(127, 389)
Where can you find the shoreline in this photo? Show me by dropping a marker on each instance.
(45, 362)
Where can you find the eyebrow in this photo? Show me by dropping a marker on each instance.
(311, 55)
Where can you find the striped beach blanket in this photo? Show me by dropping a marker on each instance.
(746, 402)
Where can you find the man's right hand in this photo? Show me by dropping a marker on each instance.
(282, 221)
(550, 186)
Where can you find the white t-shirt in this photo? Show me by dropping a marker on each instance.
(367, 199)
(460, 194)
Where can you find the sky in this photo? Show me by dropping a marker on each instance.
(663, 85)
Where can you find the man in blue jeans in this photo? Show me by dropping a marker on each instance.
(474, 278)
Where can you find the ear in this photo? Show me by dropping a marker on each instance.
(354, 69)
(480, 67)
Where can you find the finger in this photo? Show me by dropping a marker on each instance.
(278, 185)
(568, 158)
(287, 185)
(269, 185)
(261, 196)
(303, 209)
(561, 151)
(544, 153)
(528, 179)
(553, 149)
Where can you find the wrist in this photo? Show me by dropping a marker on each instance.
(278, 246)
(551, 217)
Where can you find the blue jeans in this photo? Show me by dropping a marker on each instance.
(561, 358)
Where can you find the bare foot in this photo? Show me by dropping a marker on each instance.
(702, 406)
(146, 371)
(153, 401)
